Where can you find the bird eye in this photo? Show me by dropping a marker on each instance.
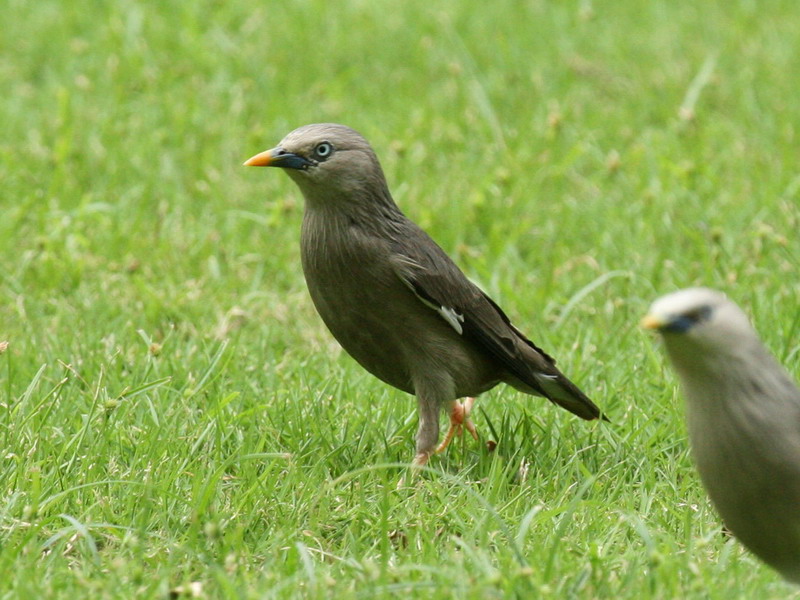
(323, 150)
(699, 314)
(686, 321)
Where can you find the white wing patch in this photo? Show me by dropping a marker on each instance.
(451, 316)
(405, 267)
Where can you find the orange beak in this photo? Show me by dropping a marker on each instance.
(262, 159)
(278, 157)
(652, 322)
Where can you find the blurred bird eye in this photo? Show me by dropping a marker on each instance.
(323, 150)
(698, 315)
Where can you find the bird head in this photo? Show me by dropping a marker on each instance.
(326, 160)
(699, 319)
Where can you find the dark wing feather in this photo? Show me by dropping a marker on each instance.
(440, 284)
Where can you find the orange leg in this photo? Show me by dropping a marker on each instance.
(459, 420)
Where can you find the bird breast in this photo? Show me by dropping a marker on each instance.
(376, 318)
(746, 443)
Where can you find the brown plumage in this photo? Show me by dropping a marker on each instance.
(392, 297)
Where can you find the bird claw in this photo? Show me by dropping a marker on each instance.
(420, 460)
(459, 420)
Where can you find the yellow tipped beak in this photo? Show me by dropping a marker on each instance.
(262, 159)
(652, 322)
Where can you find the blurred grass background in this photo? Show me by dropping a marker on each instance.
(175, 420)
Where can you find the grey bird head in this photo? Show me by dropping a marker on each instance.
(697, 321)
(328, 162)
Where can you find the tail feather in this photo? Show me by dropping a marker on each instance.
(562, 391)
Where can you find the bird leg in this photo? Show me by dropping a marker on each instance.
(459, 420)
(428, 431)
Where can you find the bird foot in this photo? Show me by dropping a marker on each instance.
(420, 460)
(459, 420)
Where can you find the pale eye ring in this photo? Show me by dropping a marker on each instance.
(323, 150)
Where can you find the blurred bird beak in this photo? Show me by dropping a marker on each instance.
(277, 157)
(652, 322)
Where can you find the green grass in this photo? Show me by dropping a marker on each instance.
(174, 416)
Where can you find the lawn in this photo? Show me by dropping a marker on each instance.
(176, 421)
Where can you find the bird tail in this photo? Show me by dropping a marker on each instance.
(560, 390)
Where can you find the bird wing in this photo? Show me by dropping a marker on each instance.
(439, 284)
